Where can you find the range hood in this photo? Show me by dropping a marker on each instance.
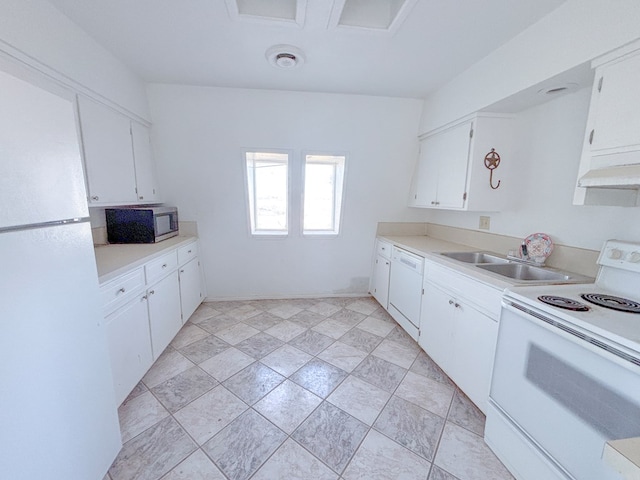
(622, 176)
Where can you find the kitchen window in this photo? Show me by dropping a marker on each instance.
(323, 188)
(267, 188)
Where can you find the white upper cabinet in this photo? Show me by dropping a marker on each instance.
(117, 155)
(616, 120)
(451, 173)
(146, 187)
(609, 172)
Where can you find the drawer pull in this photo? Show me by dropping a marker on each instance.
(152, 292)
(121, 290)
(455, 304)
(182, 271)
(164, 265)
(144, 297)
(188, 251)
(95, 197)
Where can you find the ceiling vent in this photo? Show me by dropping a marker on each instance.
(285, 56)
(383, 16)
(285, 12)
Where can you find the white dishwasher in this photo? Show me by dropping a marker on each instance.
(405, 290)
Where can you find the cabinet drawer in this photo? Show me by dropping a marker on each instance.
(481, 296)
(117, 292)
(384, 249)
(159, 267)
(187, 252)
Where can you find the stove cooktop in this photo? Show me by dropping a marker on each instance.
(568, 305)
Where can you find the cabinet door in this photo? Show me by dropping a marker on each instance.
(190, 288)
(437, 326)
(380, 281)
(425, 178)
(453, 160)
(108, 154)
(616, 121)
(164, 312)
(129, 346)
(473, 350)
(143, 160)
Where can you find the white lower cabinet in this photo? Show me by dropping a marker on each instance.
(164, 312)
(379, 287)
(142, 317)
(129, 345)
(190, 288)
(459, 329)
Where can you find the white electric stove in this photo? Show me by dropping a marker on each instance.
(566, 375)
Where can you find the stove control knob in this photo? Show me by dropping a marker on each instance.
(634, 257)
(615, 254)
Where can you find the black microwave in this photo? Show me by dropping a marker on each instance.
(141, 224)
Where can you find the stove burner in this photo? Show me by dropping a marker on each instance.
(562, 302)
(614, 303)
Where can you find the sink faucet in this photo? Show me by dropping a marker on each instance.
(522, 256)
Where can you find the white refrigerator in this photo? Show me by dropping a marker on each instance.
(58, 416)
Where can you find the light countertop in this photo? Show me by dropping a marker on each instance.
(429, 248)
(114, 260)
(624, 457)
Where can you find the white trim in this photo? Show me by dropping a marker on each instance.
(287, 297)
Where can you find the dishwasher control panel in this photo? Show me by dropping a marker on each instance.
(408, 259)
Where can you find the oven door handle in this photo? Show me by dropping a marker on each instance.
(575, 334)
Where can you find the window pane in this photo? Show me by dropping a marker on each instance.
(323, 193)
(267, 176)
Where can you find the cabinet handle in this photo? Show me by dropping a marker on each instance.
(455, 304)
(121, 290)
(141, 197)
(182, 271)
(95, 197)
(164, 265)
(152, 292)
(591, 137)
(144, 297)
(188, 251)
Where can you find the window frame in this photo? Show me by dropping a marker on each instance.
(336, 222)
(249, 195)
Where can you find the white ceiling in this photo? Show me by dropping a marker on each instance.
(198, 42)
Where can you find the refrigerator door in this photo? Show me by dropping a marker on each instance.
(57, 407)
(42, 178)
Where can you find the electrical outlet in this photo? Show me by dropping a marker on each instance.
(484, 222)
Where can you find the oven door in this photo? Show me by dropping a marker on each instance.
(566, 394)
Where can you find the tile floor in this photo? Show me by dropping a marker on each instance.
(299, 389)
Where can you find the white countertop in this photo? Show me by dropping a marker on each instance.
(624, 457)
(114, 260)
(429, 248)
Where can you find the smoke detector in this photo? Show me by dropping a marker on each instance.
(285, 56)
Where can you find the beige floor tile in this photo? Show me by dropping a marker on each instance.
(207, 415)
(426, 393)
(285, 310)
(292, 462)
(237, 333)
(342, 356)
(138, 414)
(286, 360)
(360, 399)
(376, 326)
(380, 458)
(226, 364)
(397, 353)
(167, 366)
(196, 466)
(332, 328)
(288, 405)
(465, 455)
(286, 330)
(188, 334)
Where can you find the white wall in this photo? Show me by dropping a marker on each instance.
(36, 32)
(198, 134)
(548, 145)
(571, 35)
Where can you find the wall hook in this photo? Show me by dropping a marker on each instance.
(492, 161)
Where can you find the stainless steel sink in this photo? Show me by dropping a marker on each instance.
(475, 257)
(518, 271)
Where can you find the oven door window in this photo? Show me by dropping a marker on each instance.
(563, 393)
